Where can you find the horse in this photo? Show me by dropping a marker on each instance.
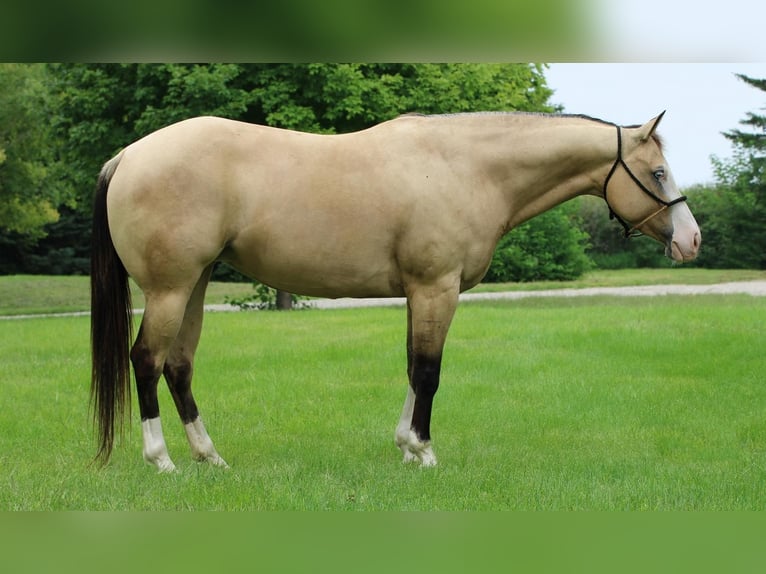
(412, 207)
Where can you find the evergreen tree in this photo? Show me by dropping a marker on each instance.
(752, 141)
(737, 210)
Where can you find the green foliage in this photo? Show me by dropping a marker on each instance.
(29, 191)
(96, 109)
(264, 298)
(61, 251)
(227, 274)
(103, 107)
(708, 203)
(608, 248)
(93, 110)
(732, 212)
(753, 141)
(339, 98)
(550, 246)
(99, 108)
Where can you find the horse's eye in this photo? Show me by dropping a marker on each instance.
(659, 174)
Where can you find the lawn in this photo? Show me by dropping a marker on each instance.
(595, 403)
(33, 294)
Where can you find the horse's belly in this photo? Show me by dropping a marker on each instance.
(319, 273)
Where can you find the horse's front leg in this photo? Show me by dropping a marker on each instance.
(429, 314)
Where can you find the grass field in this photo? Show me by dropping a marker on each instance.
(32, 294)
(593, 403)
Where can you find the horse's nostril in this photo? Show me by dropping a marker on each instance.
(696, 241)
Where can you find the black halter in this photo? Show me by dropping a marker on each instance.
(634, 231)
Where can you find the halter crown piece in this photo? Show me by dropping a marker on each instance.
(634, 231)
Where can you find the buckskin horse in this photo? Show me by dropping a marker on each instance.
(412, 207)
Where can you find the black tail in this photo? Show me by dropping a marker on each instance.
(111, 324)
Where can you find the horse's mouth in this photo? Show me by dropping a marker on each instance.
(682, 255)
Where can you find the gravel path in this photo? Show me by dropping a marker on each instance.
(755, 288)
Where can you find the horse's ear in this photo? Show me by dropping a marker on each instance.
(646, 130)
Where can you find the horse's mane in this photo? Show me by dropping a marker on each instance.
(655, 136)
(537, 114)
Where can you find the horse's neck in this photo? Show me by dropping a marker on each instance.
(537, 163)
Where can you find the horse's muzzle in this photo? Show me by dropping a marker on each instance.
(683, 250)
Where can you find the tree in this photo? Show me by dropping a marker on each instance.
(330, 98)
(339, 98)
(100, 108)
(93, 111)
(754, 142)
(96, 109)
(29, 191)
(551, 246)
(608, 248)
(732, 213)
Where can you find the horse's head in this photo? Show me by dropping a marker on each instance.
(642, 195)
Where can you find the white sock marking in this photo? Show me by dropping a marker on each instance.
(412, 448)
(155, 450)
(201, 446)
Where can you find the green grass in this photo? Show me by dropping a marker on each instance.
(34, 294)
(631, 277)
(595, 403)
(37, 294)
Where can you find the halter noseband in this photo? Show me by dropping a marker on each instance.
(634, 231)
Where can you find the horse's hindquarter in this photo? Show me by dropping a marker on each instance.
(167, 205)
(320, 215)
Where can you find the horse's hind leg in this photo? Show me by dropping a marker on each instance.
(178, 371)
(160, 325)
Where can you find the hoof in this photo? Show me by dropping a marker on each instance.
(164, 465)
(415, 450)
(214, 460)
(201, 446)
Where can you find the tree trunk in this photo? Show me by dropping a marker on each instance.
(284, 301)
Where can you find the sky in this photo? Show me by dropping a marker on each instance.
(702, 100)
(678, 30)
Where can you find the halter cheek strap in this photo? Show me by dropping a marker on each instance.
(634, 230)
